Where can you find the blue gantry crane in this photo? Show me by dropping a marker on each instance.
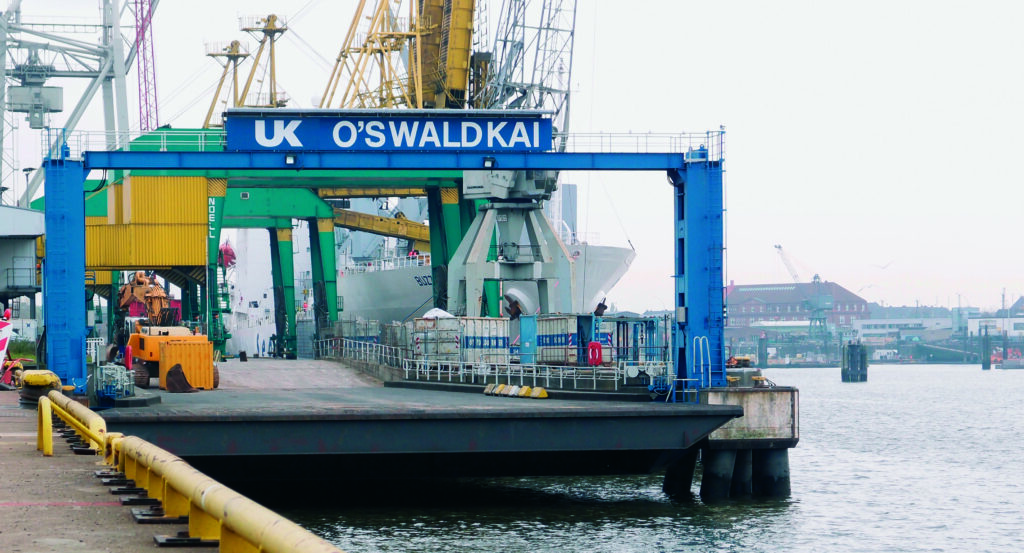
(306, 140)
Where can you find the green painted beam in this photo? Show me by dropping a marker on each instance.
(291, 203)
(283, 268)
(284, 243)
(280, 314)
(257, 222)
(347, 179)
(212, 140)
(325, 279)
(216, 330)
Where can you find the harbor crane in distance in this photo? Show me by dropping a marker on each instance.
(787, 263)
(819, 305)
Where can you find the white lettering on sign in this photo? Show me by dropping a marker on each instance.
(493, 134)
(364, 133)
(352, 134)
(212, 213)
(519, 135)
(429, 135)
(401, 134)
(282, 133)
(449, 143)
(466, 141)
(376, 131)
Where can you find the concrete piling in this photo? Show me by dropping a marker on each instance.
(742, 474)
(770, 473)
(679, 476)
(762, 352)
(731, 474)
(718, 468)
(986, 352)
(855, 363)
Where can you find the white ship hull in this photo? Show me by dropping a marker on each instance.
(401, 290)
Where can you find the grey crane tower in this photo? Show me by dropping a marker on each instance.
(534, 267)
(530, 70)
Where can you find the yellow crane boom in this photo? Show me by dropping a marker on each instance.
(435, 40)
(397, 227)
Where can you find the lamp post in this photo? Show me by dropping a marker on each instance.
(27, 171)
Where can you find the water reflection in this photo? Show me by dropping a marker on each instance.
(917, 459)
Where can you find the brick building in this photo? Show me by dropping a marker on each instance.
(751, 304)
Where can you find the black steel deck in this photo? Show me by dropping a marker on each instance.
(379, 430)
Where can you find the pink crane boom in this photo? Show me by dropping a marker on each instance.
(149, 118)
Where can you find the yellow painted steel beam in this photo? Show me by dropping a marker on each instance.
(431, 64)
(459, 40)
(387, 226)
(44, 421)
(369, 64)
(86, 423)
(345, 192)
(332, 81)
(214, 511)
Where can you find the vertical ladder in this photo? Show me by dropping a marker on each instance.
(223, 291)
(716, 324)
(217, 331)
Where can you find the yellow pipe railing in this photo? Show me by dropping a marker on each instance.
(44, 418)
(87, 425)
(214, 511)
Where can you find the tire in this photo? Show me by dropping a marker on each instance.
(216, 377)
(141, 374)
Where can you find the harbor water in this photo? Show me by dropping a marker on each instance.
(920, 458)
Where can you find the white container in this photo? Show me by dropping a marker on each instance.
(556, 340)
(463, 339)
(484, 340)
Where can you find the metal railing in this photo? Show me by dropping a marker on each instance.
(89, 426)
(390, 263)
(161, 140)
(624, 365)
(516, 253)
(711, 143)
(548, 376)
(356, 350)
(697, 146)
(92, 349)
(214, 512)
(570, 238)
(20, 278)
(610, 355)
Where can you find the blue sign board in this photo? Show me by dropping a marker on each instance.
(387, 131)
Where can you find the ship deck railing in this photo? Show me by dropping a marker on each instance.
(389, 264)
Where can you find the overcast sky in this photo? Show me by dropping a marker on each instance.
(877, 142)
